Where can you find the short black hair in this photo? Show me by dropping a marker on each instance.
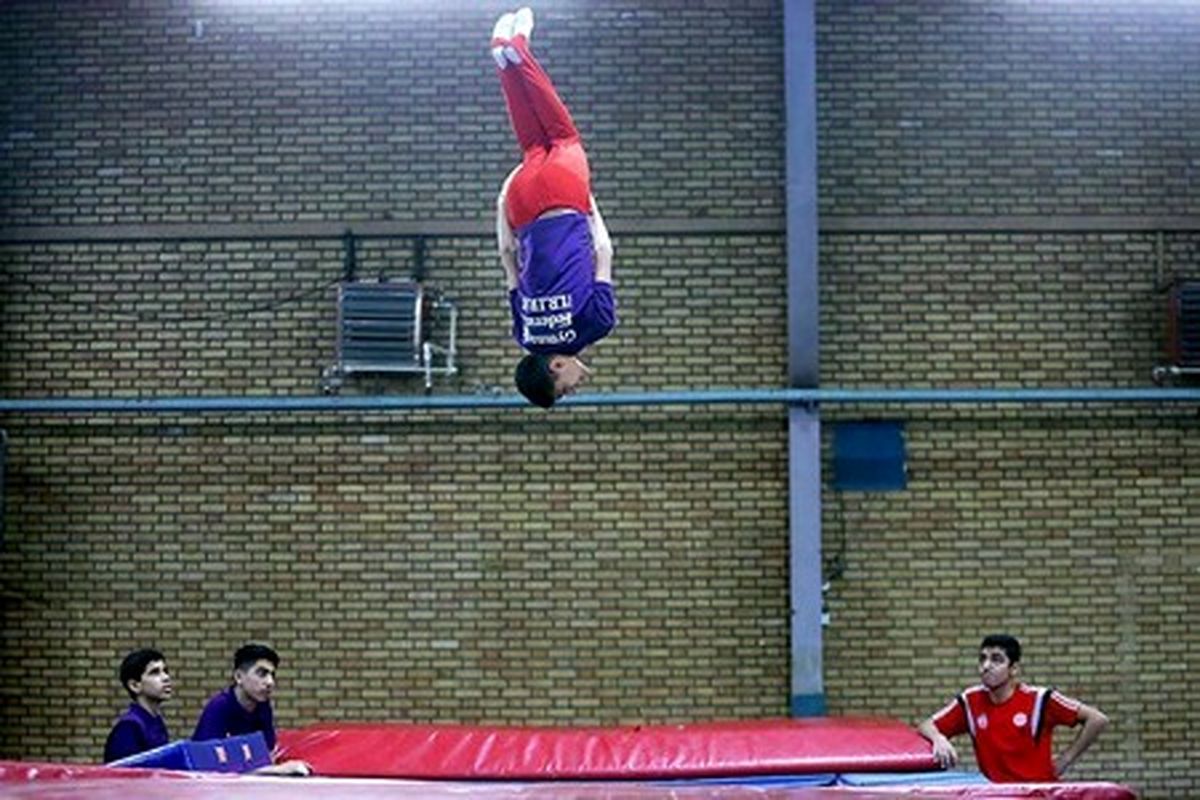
(534, 380)
(1009, 644)
(133, 666)
(250, 654)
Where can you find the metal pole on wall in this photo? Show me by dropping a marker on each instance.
(807, 694)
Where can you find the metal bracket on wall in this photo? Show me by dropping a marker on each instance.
(420, 252)
(349, 257)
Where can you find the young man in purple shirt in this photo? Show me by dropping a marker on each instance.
(556, 251)
(245, 707)
(144, 676)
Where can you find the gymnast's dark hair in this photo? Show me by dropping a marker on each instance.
(1009, 644)
(133, 666)
(250, 654)
(534, 380)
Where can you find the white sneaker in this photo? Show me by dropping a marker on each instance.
(504, 28)
(523, 23)
(501, 34)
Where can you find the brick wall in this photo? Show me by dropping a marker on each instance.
(303, 111)
(1073, 531)
(437, 568)
(594, 566)
(982, 107)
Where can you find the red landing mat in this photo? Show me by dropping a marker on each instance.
(223, 787)
(465, 752)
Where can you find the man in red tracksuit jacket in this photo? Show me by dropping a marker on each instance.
(1011, 722)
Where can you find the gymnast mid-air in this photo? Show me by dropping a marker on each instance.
(555, 249)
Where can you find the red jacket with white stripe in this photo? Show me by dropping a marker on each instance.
(1012, 739)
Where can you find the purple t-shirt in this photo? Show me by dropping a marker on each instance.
(223, 716)
(136, 731)
(558, 305)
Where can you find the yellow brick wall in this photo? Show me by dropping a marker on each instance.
(1073, 530)
(445, 567)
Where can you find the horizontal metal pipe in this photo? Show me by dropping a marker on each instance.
(365, 229)
(1010, 223)
(290, 404)
(468, 227)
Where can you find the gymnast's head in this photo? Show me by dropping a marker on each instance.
(543, 378)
